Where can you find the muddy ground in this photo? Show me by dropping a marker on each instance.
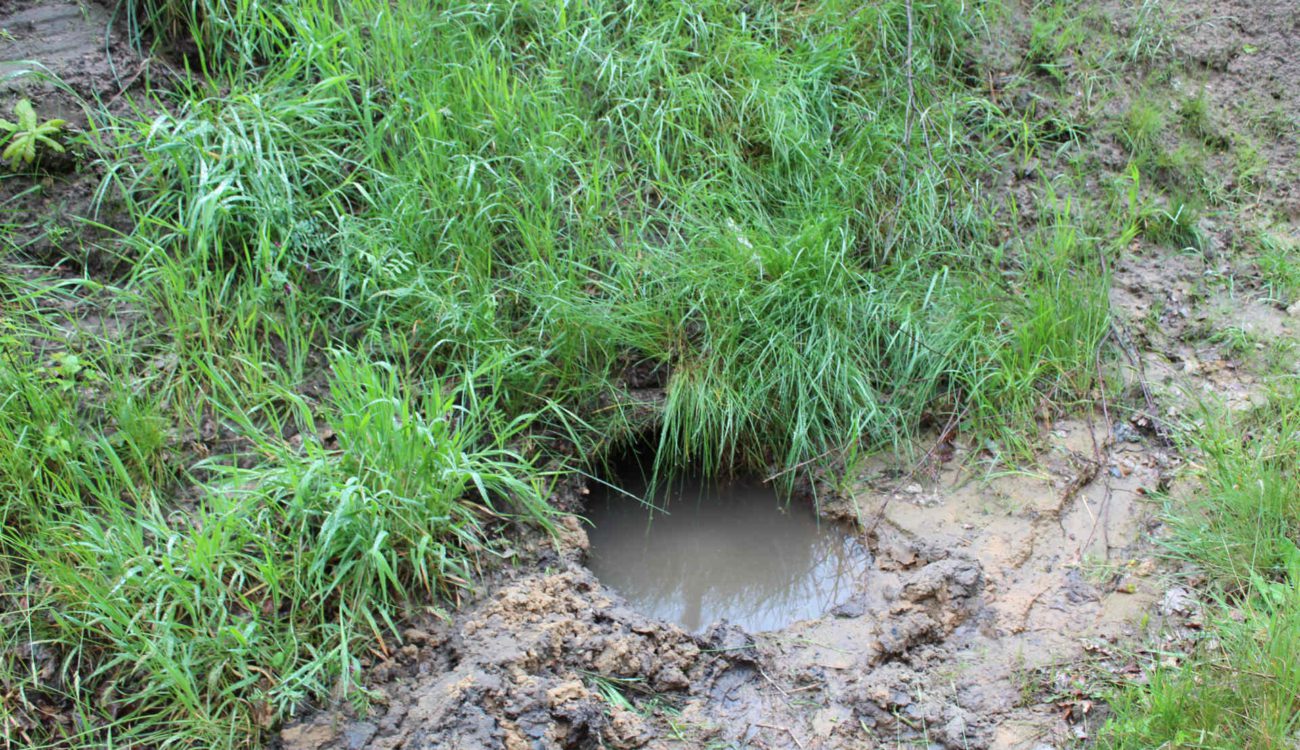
(993, 599)
(982, 596)
(63, 54)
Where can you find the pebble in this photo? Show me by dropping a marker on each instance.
(415, 635)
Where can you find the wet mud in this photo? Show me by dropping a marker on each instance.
(977, 591)
(61, 55)
(1187, 307)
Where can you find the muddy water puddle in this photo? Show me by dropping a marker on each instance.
(695, 552)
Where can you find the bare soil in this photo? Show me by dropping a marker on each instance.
(1243, 53)
(1239, 55)
(60, 54)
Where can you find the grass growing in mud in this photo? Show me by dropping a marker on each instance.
(390, 259)
(1239, 686)
(1231, 680)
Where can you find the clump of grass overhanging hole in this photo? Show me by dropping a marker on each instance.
(390, 260)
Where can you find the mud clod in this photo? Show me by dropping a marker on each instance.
(525, 659)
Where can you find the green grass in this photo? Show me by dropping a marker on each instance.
(573, 194)
(200, 622)
(1278, 259)
(1143, 124)
(1056, 31)
(388, 260)
(1234, 682)
(1240, 684)
(1149, 40)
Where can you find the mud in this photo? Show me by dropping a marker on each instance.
(66, 56)
(1181, 307)
(1195, 315)
(1243, 53)
(1239, 56)
(1203, 318)
(977, 591)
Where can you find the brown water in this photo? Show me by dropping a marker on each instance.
(708, 552)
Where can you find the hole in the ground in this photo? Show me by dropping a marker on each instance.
(696, 551)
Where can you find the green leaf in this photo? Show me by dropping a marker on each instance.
(55, 145)
(26, 134)
(13, 153)
(26, 114)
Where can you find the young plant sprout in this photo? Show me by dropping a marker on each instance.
(27, 134)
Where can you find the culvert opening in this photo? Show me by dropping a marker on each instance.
(694, 550)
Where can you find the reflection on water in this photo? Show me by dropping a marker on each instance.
(734, 551)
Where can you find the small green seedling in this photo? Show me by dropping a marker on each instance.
(26, 134)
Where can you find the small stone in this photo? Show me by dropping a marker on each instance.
(416, 636)
(671, 678)
(1126, 433)
(357, 736)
